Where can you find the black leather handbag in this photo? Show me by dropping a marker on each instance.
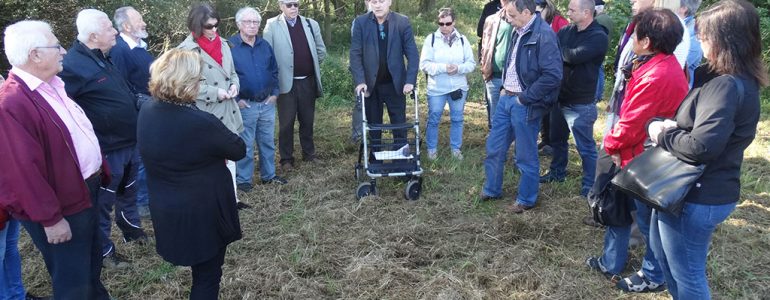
(659, 179)
(608, 206)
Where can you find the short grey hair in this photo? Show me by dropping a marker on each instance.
(691, 6)
(121, 17)
(23, 36)
(88, 23)
(245, 10)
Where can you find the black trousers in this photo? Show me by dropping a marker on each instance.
(76, 265)
(385, 95)
(206, 277)
(297, 104)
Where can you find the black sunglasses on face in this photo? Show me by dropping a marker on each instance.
(444, 24)
(293, 4)
(210, 26)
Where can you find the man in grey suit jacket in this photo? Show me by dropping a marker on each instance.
(380, 41)
(299, 50)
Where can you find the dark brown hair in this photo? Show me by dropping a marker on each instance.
(731, 27)
(661, 26)
(199, 14)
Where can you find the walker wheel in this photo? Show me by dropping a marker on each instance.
(413, 189)
(358, 172)
(364, 189)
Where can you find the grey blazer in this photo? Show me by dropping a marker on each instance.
(277, 35)
(365, 51)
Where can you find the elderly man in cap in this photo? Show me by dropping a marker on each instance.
(299, 51)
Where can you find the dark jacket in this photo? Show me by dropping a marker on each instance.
(713, 129)
(539, 67)
(489, 9)
(133, 64)
(583, 53)
(193, 209)
(365, 51)
(40, 179)
(103, 93)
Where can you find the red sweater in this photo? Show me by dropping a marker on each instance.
(40, 179)
(655, 90)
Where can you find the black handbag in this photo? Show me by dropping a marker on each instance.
(659, 179)
(608, 206)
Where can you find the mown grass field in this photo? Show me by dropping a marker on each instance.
(311, 239)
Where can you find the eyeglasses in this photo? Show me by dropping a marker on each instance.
(293, 4)
(57, 47)
(250, 22)
(210, 26)
(445, 24)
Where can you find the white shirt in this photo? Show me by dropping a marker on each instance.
(131, 43)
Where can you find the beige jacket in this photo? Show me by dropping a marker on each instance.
(217, 77)
(277, 35)
(488, 38)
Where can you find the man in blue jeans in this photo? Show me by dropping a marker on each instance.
(257, 69)
(531, 79)
(583, 46)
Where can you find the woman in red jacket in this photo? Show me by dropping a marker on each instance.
(655, 88)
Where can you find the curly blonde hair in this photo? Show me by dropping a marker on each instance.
(175, 76)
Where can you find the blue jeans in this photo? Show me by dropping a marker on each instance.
(493, 95)
(11, 286)
(600, 85)
(615, 250)
(259, 126)
(682, 244)
(578, 119)
(142, 195)
(435, 110)
(508, 124)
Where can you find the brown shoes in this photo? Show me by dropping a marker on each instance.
(518, 208)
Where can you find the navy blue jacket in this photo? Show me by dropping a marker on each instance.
(256, 67)
(98, 87)
(134, 64)
(539, 67)
(365, 51)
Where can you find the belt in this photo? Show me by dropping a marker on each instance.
(260, 98)
(509, 93)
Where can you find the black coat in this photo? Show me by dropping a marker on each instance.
(193, 201)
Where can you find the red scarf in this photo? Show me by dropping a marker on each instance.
(212, 47)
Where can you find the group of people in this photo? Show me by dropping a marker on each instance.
(84, 131)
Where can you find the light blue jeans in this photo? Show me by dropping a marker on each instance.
(510, 123)
(259, 127)
(493, 94)
(11, 286)
(681, 245)
(436, 106)
(615, 252)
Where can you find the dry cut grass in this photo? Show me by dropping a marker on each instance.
(311, 239)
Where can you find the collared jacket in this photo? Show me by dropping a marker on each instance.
(538, 66)
(100, 89)
(365, 51)
(276, 33)
(488, 40)
(217, 77)
(654, 90)
(436, 55)
(40, 180)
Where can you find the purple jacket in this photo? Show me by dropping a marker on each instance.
(40, 179)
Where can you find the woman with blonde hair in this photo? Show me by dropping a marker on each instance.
(184, 150)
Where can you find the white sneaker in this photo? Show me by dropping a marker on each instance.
(432, 154)
(457, 154)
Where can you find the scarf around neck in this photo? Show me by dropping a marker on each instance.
(212, 47)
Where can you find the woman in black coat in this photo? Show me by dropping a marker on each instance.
(184, 151)
(714, 125)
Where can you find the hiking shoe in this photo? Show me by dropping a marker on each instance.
(287, 167)
(589, 220)
(457, 154)
(115, 261)
(241, 205)
(432, 154)
(636, 283)
(594, 264)
(484, 197)
(518, 208)
(245, 187)
(549, 177)
(275, 180)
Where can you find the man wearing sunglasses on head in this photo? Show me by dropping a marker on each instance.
(299, 50)
(380, 41)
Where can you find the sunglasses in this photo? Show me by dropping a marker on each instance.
(293, 4)
(445, 24)
(210, 26)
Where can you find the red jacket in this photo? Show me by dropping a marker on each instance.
(40, 179)
(654, 90)
(558, 23)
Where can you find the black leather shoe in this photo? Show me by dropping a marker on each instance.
(275, 180)
(241, 205)
(549, 177)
